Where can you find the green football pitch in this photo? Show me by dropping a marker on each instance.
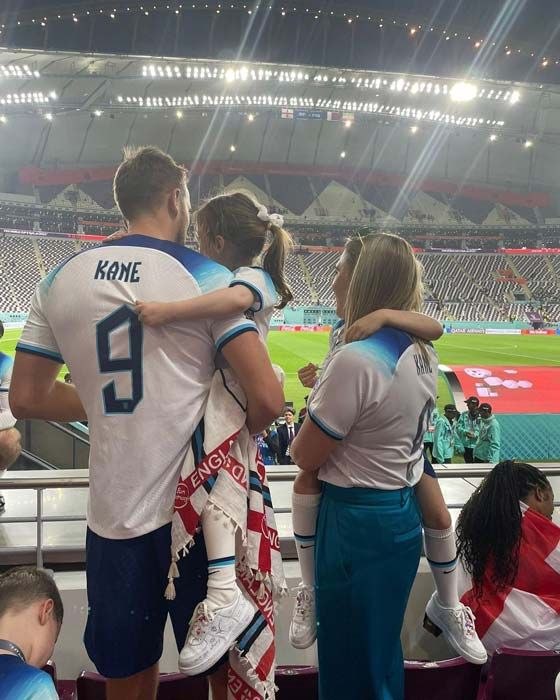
(293, 350)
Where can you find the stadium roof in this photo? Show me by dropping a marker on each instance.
(61, 108)
(482, 38)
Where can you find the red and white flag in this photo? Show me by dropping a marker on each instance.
(334, 116)
(287, 113)
(223, 471)
(525, 615)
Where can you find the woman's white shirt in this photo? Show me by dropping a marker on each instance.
(375, 397)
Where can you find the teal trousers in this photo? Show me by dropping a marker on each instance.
(367, 553)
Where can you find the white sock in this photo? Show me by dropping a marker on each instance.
(219, 537)
(441, 552)
(305, 508)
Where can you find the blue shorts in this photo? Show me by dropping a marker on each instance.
(126, 581)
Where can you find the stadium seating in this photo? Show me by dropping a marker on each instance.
(54, 251)
(426, 208)
(441, 680)
(459, 286)
(172, 686)
(20, 272)
(321, 269)
(61, 215)
(303, 295)
(520, 675)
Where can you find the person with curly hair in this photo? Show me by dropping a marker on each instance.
(510, 547)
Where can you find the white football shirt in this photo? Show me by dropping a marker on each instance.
(7, 420)
(265, 296)
(144, 389)
(375, 396)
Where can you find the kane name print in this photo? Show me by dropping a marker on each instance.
(423, 365)
(115, 271)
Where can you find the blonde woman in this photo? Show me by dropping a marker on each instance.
(368, 412)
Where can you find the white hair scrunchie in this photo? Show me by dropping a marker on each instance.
(276, 219)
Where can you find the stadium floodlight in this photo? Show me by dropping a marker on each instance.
(179, 114)
(493, 137)
(528, 143)
(251, 117)
(463, 92)
(98, 112)
(233, 148)
(413, 129)
(49, 116)
(515, 97)
(3, 119)
(343, 154)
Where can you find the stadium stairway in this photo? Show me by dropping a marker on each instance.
(39, 258)
(552, 270)
(525, 287)
(476, 284)
(308, 279)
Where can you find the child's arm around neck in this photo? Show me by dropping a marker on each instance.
(220, 304)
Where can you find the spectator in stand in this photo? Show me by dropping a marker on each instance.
(286, 435)
(508, 545)
(30, 619)
(468, 428)
(487, 448)
(429, 434)
(267, 442)
(303, 411)
(445, 438)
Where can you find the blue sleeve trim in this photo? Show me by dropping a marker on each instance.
(322, 426)
(42, 352)
(230, 335)
(259, 302)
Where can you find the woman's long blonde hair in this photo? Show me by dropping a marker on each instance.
(386, 275)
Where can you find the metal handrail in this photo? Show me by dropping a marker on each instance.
(40, 484)
(459, 471)
(452, 471)
(73, 482)
(70, 433)
(37, 461)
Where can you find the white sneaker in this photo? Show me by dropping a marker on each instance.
(212, 633)
(303, 629)
(457, 625)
